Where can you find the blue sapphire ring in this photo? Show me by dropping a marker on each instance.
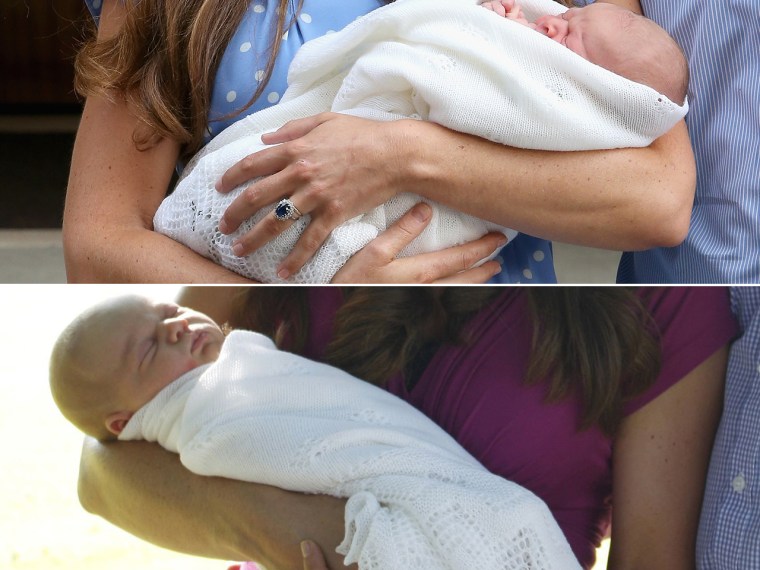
(286, 210)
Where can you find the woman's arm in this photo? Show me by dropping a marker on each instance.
(335, 167)
(112, 194)
(660, 464)
(114, 190)
(145, 490)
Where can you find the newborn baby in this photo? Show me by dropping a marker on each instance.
(238, 407)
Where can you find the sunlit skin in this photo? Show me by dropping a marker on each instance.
(140, 346)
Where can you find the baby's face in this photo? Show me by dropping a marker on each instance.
(587, 31)
(146, 345)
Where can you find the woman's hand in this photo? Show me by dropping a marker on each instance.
(332, 166)
(377, 262)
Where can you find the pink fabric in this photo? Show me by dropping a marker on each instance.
(245, 566)
(477, 395)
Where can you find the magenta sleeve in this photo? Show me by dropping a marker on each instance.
(693, 323)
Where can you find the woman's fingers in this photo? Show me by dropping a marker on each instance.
(260, 163)
(313, 559)
(456, 264)
(270, 160)
(476, 275)
(264, 192)
(377, 262)
(295, 129)
(312, 238)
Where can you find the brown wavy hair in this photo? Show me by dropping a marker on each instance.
(599, 342)
(163, 62)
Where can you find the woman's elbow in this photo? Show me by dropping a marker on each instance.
(87, 490)
(77, 256)
(673, 229)
(666, 220)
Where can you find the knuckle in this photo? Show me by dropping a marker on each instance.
(468, 258)
(425, 275)
(333, 209)
(272, 228)
(314, 239)
(302, 169)
(249, 196)
(377, 250)
(249, 162)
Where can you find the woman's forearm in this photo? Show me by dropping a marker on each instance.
(113, 191)
(620, 199)
(136, 255)
(146, 491)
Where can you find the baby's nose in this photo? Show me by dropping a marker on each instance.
(175, 328)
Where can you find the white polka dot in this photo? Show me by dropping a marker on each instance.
(258, 8)
(739, 483)
(259, 75)
(96, 4)
(273, 97)
(285, 35)
(329, 32)
(231, 96)
(527, 273)
(245, 46)
(306, 18)
(538, 255)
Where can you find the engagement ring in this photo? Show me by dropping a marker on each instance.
(286, 210)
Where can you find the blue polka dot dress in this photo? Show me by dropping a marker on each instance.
(526, 259)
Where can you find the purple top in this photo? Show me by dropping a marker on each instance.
(476, 394)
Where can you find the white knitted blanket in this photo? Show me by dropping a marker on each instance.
(448, 61)
(416, 499)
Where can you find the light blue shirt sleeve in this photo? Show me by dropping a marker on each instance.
(729, 530)
(723, 53)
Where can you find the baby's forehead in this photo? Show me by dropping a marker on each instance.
(111, 318)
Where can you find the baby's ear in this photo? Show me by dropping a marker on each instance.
(116, 421)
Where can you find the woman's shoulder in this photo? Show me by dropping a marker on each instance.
(692, 323)
(689, 311)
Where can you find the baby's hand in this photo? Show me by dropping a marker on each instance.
(507, 9)
(501, 7)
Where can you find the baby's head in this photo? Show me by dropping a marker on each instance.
(116, 356)
(625, 43)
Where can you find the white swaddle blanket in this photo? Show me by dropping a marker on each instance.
(416, 499)
(448, 61)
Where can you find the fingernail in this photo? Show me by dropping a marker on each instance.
(223, 227)
(305, 548)
(237, 248)
(421, 212)
(283, 273)
(218, 186)
(502, 240)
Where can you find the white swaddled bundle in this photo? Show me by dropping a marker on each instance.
(448, 61)
(416, 499)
